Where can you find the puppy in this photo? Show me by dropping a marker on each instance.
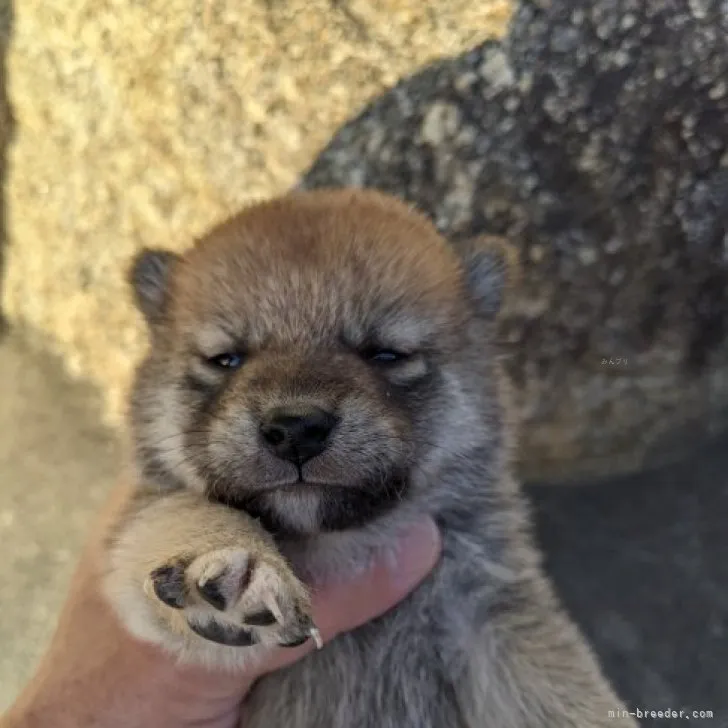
(322, 372)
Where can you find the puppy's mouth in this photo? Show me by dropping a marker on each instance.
(307, 507)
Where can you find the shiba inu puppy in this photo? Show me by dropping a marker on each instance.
(322, 372)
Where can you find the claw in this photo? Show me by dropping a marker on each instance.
(316, 637)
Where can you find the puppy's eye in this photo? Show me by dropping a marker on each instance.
(386, 356)
(228, 360)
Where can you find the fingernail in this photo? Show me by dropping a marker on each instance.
(415, 555)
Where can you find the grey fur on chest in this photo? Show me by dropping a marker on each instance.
(396, 672)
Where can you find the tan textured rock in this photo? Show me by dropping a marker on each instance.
(142, 123)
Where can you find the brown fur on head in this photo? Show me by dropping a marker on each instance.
(344, 303)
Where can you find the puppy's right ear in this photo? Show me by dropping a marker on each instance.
(149, 276)
(490, 265)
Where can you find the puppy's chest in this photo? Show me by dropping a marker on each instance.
(399, 671)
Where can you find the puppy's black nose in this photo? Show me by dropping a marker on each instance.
(297, 433)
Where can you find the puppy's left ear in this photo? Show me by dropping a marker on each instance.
(490, 266)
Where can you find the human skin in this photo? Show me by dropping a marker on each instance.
(95, 675)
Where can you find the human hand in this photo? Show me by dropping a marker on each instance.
(96, 674)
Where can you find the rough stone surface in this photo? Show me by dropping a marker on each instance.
(595, 138)
(142, 123)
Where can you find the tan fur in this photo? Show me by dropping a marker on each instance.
(302, 284)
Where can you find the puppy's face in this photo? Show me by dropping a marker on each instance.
(310, 356)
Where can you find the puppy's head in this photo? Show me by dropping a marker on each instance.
(312, 357)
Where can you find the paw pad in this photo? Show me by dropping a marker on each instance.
(168, 584)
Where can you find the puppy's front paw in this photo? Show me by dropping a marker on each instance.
(234, 597)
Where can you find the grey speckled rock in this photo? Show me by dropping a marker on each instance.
(595, 138)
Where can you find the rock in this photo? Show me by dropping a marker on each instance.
(594, 137)
(143, 123)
